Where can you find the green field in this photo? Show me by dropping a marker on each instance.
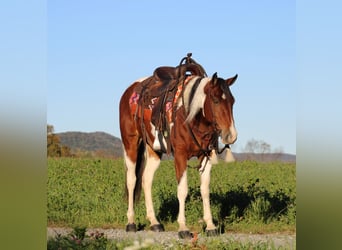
(246, 196)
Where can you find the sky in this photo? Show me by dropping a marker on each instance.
(96, 49)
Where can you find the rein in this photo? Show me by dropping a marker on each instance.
(207, 151)
(222, 149)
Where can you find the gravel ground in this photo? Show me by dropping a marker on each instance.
(285, 241)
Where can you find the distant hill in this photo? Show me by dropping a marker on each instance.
(95, 142)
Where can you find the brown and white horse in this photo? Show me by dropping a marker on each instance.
(203, 113)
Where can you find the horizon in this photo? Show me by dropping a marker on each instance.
(235, 152)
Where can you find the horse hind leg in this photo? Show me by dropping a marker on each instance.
(134, 170)
(152, 164)
(130, 185)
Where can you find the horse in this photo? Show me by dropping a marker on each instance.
(202, 113)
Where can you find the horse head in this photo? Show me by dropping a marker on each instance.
(218, 107)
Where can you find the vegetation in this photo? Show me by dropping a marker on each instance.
(54, 147)
(260, 150)
(78, 239)
(245, 196)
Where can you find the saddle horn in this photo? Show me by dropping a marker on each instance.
(189, 64)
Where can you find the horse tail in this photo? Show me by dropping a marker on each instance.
(139, 170)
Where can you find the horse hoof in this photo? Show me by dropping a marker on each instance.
(184, 234)
(131, 228)
(212, 232)
(157, 228)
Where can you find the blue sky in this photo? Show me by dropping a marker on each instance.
(96, 49)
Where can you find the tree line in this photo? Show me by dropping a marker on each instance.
(54, 147)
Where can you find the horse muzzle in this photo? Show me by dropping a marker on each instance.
(229, 136)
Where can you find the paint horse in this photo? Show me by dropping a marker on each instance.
(203, 112)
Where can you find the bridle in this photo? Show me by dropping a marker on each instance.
(215, 132)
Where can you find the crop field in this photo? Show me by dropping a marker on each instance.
(246, 197)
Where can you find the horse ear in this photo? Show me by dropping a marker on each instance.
(230, 81)
(214, 78)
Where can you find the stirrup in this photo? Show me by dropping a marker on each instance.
(158, 139)
(156, 143)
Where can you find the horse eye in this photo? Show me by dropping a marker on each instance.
(216, 100)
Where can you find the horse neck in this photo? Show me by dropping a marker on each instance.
(194, 96)
(202, 125)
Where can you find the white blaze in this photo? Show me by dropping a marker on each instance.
(233, 133)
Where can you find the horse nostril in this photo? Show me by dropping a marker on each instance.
(233, 138)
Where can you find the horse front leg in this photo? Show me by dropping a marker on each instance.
(152, 164)
(182, 192)
(211, 229)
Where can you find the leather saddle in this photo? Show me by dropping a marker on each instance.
(166, 78)
(162, 86)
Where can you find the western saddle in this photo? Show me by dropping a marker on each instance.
(162, 87)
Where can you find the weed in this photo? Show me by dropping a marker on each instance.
(78, 239)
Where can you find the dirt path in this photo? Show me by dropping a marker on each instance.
(286, 241)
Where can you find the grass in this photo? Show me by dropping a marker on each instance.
(245, 196)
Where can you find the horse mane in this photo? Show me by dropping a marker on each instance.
(194, 96)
